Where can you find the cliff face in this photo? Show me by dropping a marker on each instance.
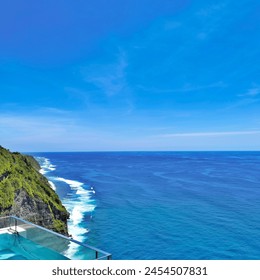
(26, 193)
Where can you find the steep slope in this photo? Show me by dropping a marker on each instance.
(26, 193)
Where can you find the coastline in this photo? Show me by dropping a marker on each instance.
(77, 198)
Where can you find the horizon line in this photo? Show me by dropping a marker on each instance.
(142, 151)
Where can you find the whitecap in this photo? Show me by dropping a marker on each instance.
(73, 184)
(52, 185)
(78, 203)
(46, 165)
(42, 171)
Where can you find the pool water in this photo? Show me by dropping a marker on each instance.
(16, 247)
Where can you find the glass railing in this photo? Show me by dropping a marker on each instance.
(30, 241)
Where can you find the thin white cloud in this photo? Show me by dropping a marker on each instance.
(241, 103)
(211, 10)
(212, 18)
(252, 92)
(44, 127)
(53, 110)
(251, 96)
(205, 134)
(51, 131)
(172, 25)
(109, 78)
(185, 88)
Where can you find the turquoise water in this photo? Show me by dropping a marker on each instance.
(16, 247)
(161, 205)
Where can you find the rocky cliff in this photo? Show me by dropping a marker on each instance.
(26, 193)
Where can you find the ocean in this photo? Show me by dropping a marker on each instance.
(161, 205)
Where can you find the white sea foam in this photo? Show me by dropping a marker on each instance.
(73, 184)
(77, 207)
(46, 165)
(77, 203)
(42, 171)
(52, 185)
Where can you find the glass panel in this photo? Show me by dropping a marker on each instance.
(29, 241)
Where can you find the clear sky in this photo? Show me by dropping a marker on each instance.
(129, 75)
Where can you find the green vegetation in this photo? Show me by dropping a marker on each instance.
(20, 173)
(59, 226)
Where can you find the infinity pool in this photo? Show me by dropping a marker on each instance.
(23, 240)
(16, 247)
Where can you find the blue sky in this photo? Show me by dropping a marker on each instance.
(129, 75)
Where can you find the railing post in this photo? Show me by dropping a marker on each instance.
(15, 225)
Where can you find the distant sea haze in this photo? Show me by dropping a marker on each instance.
(161, 205)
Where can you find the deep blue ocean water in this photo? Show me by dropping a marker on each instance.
(161, 205)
